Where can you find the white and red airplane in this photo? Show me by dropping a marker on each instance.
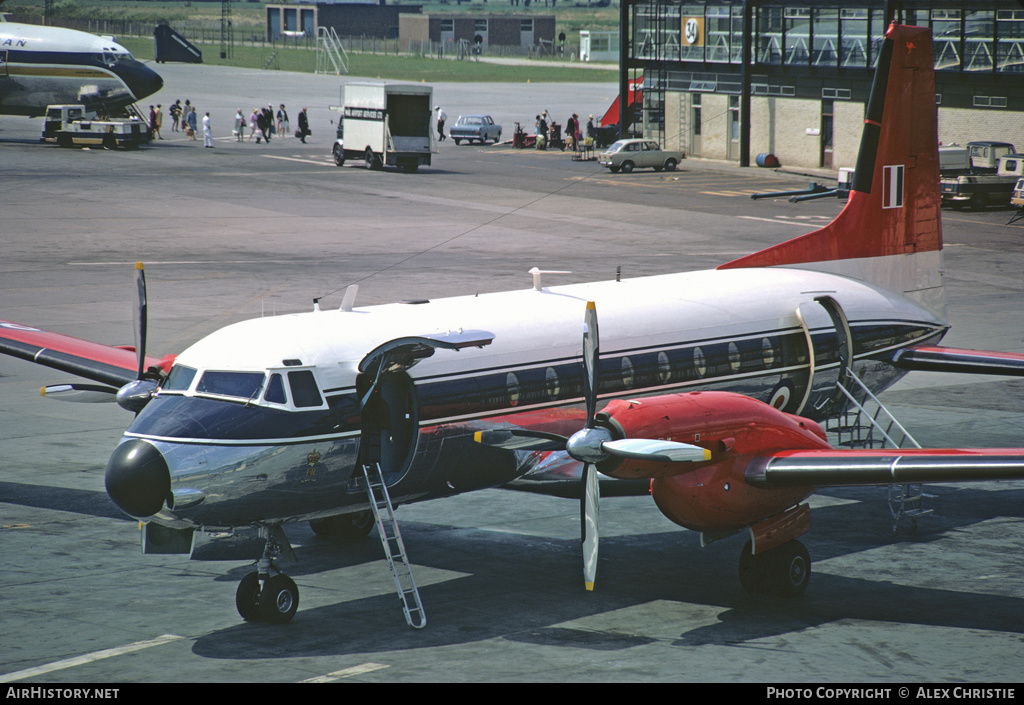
(712, 382)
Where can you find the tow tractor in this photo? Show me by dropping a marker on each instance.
(71, 125)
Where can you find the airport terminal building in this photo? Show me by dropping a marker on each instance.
(810, 69)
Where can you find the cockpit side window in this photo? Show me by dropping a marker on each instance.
(305, 393)
(180, 379)
(244, 385)
(275, 390)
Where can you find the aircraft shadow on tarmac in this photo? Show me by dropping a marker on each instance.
(524, 588)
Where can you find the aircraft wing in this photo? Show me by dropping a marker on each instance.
(940, 359)
(845, 468)
(109, 364)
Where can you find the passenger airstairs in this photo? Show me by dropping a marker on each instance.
(331, 56)
(865, 423)
(394, 547)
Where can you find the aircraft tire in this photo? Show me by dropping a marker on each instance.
(247, 598)
(791, 569)
(347, 526)
(279, 599)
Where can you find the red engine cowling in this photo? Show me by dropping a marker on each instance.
(711, 496)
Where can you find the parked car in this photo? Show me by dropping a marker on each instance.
(475, 127)
(638, 153)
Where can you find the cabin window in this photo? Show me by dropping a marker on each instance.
(627, 373)
(664, 368)
(767, 353)
(244, 385)
(551, 383)
(735, 359)
(275, 390)
(512, 384)
(700, 364)
(305, 393)
(180, 379)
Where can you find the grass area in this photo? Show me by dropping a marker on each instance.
(248, 18)
(390, 66)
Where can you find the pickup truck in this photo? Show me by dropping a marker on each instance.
(980, 190)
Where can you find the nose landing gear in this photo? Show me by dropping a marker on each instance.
(262, 597)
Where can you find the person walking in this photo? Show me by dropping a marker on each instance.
(239, 125)
(303, 126)
(441, 117)
(175, 113)
(158, 121)
(207, 132)
(282, 121)
(253, 124)
(192, 119)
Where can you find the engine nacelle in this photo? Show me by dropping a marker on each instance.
(711, 495)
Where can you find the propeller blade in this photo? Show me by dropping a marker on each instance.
(140, 318)
(661, 451)
(78, 392)
(589, 511)
(591, 356)
(516, 439)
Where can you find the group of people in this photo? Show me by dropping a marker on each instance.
(184, 118)
(266, 122)
(550, 133)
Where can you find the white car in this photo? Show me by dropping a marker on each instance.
(638, 153)
(475, 127)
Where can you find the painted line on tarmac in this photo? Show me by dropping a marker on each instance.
(296, 159)
(778, 220)
(88, 658)
(347, 673)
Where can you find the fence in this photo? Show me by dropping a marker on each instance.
(210, 33)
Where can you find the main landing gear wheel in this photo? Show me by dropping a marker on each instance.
(784, 570)
(247, 597)
(274, 601)
(346, 526)
(279, 599)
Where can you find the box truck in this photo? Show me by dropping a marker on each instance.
(386, 124)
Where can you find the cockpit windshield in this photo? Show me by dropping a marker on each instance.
(111, 56)
(243, 385)
(251, 387)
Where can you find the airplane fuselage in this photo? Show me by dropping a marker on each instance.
(240, 446)
(42, 66)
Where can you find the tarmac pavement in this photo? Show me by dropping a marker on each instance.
(245, 230)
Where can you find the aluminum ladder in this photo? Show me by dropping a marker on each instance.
(868, 424)
(394, 548)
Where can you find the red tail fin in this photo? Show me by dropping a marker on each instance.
(893, 207)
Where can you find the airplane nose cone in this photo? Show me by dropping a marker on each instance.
(142, 81)
(138, 479)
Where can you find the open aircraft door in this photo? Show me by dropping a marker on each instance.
(829, 354)
(388, 404)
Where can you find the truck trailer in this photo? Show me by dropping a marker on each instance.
(386, 124)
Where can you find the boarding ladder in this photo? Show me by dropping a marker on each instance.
(330, 54)
(865, 423)
(394, 548)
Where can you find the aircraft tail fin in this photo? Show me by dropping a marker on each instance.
(890, 232)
